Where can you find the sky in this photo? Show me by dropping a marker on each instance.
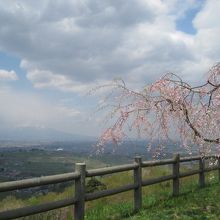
(52, 52)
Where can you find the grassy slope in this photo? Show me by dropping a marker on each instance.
(201, 204)
(193, 203)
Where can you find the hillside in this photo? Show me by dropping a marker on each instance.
(198, 204)
(193, 202)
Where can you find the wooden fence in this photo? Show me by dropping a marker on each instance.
(80, 175)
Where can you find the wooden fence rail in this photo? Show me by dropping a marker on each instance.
(79, 177)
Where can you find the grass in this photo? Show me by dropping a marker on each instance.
(201, 204)
(193, 202)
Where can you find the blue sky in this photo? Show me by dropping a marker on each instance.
(53, 52)
(185, 22)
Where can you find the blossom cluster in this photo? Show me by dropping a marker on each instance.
(169, 109)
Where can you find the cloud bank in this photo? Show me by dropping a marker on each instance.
(70, 45)
(19, 109)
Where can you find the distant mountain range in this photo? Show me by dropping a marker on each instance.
(40, 134)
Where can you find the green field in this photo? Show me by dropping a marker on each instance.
(23, 163)
(36, 163)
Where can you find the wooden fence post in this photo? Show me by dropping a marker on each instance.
(176, 167)
(138, 181)
(201, 173)
(219, 168)
(79, 210)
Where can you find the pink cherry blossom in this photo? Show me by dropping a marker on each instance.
(169, 109)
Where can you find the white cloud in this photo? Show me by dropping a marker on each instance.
(8, 75)
(208, 17)
(69, 112)
(72, 45)
(47, 79)
(207, 38)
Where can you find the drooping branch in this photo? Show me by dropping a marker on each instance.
(168, 105)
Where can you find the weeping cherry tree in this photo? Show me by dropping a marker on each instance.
(169, 109)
